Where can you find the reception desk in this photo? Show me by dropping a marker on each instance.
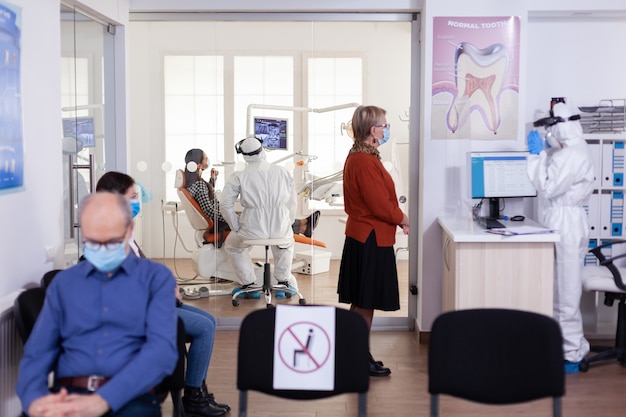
(481, 269)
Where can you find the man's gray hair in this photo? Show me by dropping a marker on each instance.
(123, 204)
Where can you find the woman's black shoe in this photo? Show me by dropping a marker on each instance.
(211, 398)
(196, 405)
(377, 370)
(372, 360)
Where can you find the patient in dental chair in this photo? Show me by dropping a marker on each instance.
(196, 162)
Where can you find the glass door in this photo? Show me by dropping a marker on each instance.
(83, 54)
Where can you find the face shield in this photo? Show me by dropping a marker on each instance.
(251, 148)
(561, 126)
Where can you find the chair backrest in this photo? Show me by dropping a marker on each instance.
(48, 277)
(255, 361)
(203, 224)
(197, 218)
(496, 356)
(26, 309)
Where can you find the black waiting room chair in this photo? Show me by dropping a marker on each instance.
(495, 356)
(255, 361)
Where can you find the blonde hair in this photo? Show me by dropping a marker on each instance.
(364, 118)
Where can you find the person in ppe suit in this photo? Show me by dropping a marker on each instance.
(562, 172)
(268, 196)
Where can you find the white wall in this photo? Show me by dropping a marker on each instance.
(32, 218)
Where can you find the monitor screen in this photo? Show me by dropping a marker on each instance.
(272, 131)
(80, 128)
(499, 174)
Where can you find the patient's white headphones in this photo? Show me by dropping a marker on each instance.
(192, 166)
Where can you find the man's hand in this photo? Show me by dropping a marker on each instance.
(63, 404)
(87, 405)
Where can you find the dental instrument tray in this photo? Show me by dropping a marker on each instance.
(608, 116)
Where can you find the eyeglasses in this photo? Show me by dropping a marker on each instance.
(387, 126)
(111, 245)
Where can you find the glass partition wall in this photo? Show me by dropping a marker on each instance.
(83, 107)
(201, 84)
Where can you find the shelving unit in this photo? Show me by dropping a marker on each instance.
(606, 212)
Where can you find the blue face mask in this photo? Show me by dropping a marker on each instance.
(135, 206)
(385, 137)
(104, 259)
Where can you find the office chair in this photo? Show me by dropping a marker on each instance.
(28, 305)
(495, 356)
(607, 278)
(255, 360)
(267, 287)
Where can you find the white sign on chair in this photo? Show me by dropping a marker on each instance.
(304, 348)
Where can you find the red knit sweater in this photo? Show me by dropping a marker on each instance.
(370, 199)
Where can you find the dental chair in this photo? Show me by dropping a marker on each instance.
(208, 260)
(607, 278)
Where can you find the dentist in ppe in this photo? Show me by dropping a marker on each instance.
(561, 169)
(268, 196)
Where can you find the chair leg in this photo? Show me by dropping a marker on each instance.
(556, 407)
(362, 404)
(267, 278)
(243, 403)
(434, 405)
(619, 349)
(177, 402)
(620, 333)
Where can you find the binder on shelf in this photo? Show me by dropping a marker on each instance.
(605, 214)
(595, 150)
(617, 213)
(590, 258)
(592, 208)
(607, 165)
(618, 164)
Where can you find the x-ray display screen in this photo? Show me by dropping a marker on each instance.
(273, 132)
(80, 128)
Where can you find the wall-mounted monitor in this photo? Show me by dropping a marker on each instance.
(272, 131)
(495, 175)
(80, 128)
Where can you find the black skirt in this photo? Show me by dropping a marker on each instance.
(368, 277)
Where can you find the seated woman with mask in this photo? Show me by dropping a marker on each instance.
(199, 324)
(204, 193)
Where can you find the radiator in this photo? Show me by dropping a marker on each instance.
(10, 353)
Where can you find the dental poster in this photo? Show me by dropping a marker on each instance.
(475, 85)
(11, 140)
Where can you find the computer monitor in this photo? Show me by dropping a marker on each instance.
(80, 128)
(496, 175)
(272, 131)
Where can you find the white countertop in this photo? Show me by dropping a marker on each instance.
(466, 230)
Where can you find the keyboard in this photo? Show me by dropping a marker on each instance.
(489, 223)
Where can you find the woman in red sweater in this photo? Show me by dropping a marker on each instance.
(368, 278)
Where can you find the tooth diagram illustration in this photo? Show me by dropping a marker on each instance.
(479, 76)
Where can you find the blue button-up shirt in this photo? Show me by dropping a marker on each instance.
(121, 325)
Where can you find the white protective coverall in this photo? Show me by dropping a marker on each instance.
(564, 180)
(268, 196)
